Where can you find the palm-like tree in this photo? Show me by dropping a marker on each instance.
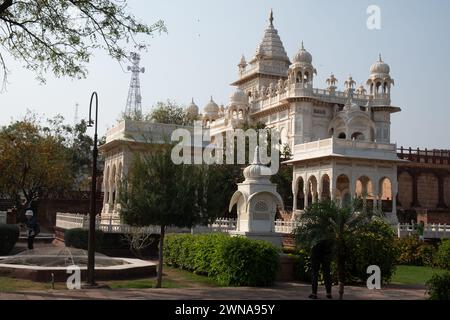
(329, 221)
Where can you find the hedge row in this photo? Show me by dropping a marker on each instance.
(9, 234)
(79, 238)
(231, 261)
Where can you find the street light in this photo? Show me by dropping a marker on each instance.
(92, 215)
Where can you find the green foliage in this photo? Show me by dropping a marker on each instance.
(169, 112)
(231, 261)
(439, 287)
(442, 256)
(33, 162)
(302, 265)
(78, 238)
(9, 234)
(61, 36)
(371, 244)
(412, 251)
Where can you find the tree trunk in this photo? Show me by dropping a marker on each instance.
(160, 263)
(341, 274)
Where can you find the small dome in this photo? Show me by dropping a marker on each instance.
(303, 56)
(192, 109)
(211, 107)
(380, 67)
(239, 97)
(257, 171)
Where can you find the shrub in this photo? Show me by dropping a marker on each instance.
(442, 256)
(414, 252)
(373, 244)
(9, 234)
(79, 238)
(439, 287)
(302, 265)
(231, 261)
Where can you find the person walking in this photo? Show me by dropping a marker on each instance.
(321, 256)
(32, 228)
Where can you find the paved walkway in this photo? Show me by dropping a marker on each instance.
(284, 291)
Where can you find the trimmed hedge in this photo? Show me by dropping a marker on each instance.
(79, 238)
(231, 261)
(442, 256)
(439, 287)
(9, 234)
(415, 252)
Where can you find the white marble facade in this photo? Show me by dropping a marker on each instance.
(331, 132)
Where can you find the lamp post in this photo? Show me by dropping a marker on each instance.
(92, 215)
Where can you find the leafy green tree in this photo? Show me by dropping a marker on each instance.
(159, 192)
(61, 35)
(33, 162)
(329, 221)
(169, 112)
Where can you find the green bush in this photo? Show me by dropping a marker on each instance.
(373, 244)
(302, 265)
(79, 238)
(442, 256)
(231, 261)
(9, 234)
(439, 287)
(412, 251)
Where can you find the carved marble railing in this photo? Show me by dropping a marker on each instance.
(2, 217)
(431, 231)
(304, 90)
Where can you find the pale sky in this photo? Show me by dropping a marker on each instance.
(205, 40)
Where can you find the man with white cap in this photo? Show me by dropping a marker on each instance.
(32, 228)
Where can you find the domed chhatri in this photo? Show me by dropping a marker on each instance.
(303, 56)
(257, 171)
(211, 107)
(380, 67)
(192, 109)
(238, 97)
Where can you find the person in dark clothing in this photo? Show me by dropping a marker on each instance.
(321, 255)
(32, 228)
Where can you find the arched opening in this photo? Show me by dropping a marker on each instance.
(343, 190)
(300, 194)
(112, 188)
(299, 77)
(342, 135)
(325, 194)
(358, 136)
(385, 194)
(106, 187)
(306, 77)
(364, 190)
(378, 87)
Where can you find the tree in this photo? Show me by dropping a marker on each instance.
(61, 35)
(33, 162)
(159, 192)
(329, 221)
(169, 112)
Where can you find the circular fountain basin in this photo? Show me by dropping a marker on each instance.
(45, 264)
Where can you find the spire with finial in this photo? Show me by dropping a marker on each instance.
(271, 18)
(303, 47)
(379, 58)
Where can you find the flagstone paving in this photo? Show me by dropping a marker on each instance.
(282, 291)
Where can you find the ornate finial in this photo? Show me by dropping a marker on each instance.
(192, 100)
(379, 58)
(271, 18)
(303, 47)
(256, 156)
(212, 99)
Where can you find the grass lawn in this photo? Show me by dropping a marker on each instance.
(414, 274)
(173, 278)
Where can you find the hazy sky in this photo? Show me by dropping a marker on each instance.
(198, 57)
